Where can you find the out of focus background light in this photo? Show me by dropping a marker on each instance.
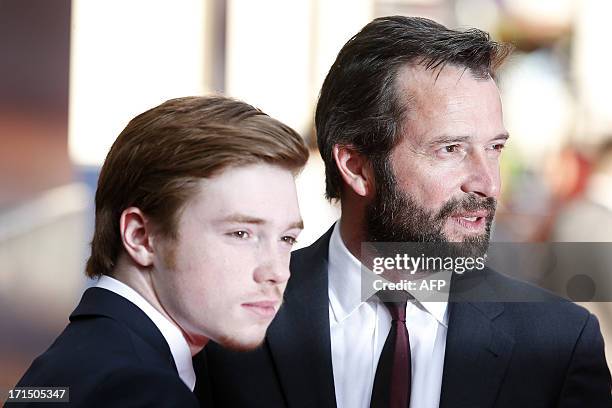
(539, 107)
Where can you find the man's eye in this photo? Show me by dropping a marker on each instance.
(240, 234)
(499, 147)
(451, 148)
(289, 239)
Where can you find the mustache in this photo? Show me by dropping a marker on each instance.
(467, 203)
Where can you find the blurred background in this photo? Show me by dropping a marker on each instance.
(72, 74)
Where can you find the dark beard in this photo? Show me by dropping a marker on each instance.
(394, 216)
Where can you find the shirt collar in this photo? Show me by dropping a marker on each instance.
(173, 336)
(344, 274)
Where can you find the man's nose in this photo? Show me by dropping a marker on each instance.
(482, 176)
(273, 266)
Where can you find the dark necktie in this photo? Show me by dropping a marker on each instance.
(393, 375)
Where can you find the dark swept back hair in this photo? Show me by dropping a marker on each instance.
(358, 104)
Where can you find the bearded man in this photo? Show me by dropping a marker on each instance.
(410, 127)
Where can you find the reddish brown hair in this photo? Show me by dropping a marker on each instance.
(156, 162)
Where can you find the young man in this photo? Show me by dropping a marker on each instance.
(409, 125)
(196, 214)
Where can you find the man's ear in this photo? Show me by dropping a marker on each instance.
(136, 236)
(355, 169)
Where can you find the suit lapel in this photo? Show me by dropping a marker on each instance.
(299, 337)
(477, 350)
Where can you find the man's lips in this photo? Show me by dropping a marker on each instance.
(472, 220)
(263, 308)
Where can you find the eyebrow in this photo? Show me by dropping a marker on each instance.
(502, 136)
(245, 219)
(458, 139)
(448, 139)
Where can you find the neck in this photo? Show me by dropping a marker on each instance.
(140, 280)
(352, 228)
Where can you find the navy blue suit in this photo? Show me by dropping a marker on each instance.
(545, 353)
(110, 355)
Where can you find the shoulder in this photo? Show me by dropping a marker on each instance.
(84, 351)
(525, 311)
(538, 316)
(105, 364)
(98, 338)
(555, 339)
(514, 291)
(523, 297)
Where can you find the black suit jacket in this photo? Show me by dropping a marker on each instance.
(110, 355)
(498, 354)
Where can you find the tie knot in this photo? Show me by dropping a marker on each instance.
(395, 301)
(397, 310)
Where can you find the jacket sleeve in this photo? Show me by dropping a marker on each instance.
(587, 381)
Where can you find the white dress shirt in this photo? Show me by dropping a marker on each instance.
(177, 343)
(359, 330)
